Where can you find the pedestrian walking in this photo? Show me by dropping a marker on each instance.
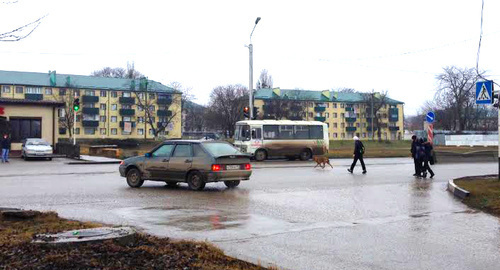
(359, 150)
(420, 156)
(428, 158)
(5, 148)
(413, 151)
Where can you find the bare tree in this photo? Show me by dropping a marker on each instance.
(345, 90)
(265, 80)
(456, 93)
(66, 116)
(375, 102)
(193, 118)
(226, 107)
(118, 72)
(280, 108)
(21, 32)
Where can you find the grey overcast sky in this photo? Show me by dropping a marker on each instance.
(398, 46)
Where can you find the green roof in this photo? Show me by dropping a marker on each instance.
(78, 81)
(312, 95)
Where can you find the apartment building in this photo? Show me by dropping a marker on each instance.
(346, 114)
(41, 105)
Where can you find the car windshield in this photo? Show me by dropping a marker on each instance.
(221, 149)
(37, 142)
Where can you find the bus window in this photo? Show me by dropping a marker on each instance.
(245, 133)
(316, 132)
(286, 132)
(257, 133)
(301, 132)
(271, 132)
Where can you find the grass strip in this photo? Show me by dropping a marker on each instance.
(484, 193)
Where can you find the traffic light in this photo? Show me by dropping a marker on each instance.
(76, 104)
(246, 112)
(255, 112)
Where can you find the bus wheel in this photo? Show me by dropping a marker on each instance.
(305, 154)
(260, 155)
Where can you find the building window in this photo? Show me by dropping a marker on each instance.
(341, 115)
(87, 117)
(6, 89)
(140, 131)
(140, 108)
(335, 125)
(89, 92)
(310, 114)
(342, 135)
(103, 93)
(126, 106)
(103, 118)
(114, 94)
(78, 118)
(19, 89)
(364, 125)
(140, 119)
(77, 131)
(151, 132)
(62, 92)
(364, 134)
(334, 115)
(32, 90)
(342, 105)
(127, 118)
(335, 135)
(89, 131)
(103, 131)
(114, 131)
(25, 128)
(327, 115)
(334, 105)
(61, 112)
(76, 93)
(342, 125)
(152, 96)
(151, 108)
(140, 95)
(357, 125)
(103, 106)
(126, 94)
(48, 91)
(113, 119)
(88, 105)
(114, 107)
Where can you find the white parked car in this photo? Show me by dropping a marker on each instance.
(36, 148)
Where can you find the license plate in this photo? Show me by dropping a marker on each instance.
(233, 167)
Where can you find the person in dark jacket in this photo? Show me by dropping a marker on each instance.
(413, 151)
(359, 150)
(5, 148)
(420, 156)
(427, 157)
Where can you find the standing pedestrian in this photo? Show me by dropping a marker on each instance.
(359, 150)
(413, 151)
(5, 148)
(427, 158)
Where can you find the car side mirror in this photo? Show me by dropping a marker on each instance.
(148, 155)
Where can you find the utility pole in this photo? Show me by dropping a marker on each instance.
(250, 87)
(373, 129)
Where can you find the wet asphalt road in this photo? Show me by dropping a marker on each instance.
(288, 214)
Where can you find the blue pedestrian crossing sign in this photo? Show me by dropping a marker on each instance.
(429, 117)
(484, 92)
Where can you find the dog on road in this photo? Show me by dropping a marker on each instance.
(322, 161)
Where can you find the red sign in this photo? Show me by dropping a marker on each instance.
(2, 110)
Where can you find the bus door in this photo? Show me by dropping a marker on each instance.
(256, 141)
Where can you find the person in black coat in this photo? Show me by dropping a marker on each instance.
(359, 150)
(427, 158)
(5, 148)
(413, 151)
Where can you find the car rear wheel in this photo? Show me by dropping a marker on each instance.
(232, 184)
(305, 154)
(195, 181)
(260, 155)
(134, 178)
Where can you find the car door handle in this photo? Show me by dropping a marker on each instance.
(188, 161)
(165, 160)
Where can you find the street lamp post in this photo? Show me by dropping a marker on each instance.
(250, 48)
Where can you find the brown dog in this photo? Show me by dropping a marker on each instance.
(322, 161)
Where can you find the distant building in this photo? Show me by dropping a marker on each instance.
(346, 114)
(37, 105)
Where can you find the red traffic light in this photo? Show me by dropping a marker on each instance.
(246, 109)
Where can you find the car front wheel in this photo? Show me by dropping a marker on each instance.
(134, 178)
(195, 181)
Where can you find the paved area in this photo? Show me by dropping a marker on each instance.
(289, 213)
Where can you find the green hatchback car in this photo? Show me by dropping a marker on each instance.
(194, 162)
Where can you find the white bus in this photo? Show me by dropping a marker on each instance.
(271, 138)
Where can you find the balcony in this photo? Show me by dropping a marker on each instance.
(164, 113)
(320, 118)
(90, 111)
(370, 129)
(350, 129)
(126, 100)
(393, 128)
(319, 109)
(393, 114)
(90, 99)
(122, 124)
(90, 123)
(164, 101)
(350, 119)
(349, 109)
(127, 112)
(33, 96)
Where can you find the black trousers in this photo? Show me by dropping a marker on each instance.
(356, 157)
(418, 165)
(427, 167)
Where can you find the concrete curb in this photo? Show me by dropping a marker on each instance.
(92, 162)
(457, 191)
